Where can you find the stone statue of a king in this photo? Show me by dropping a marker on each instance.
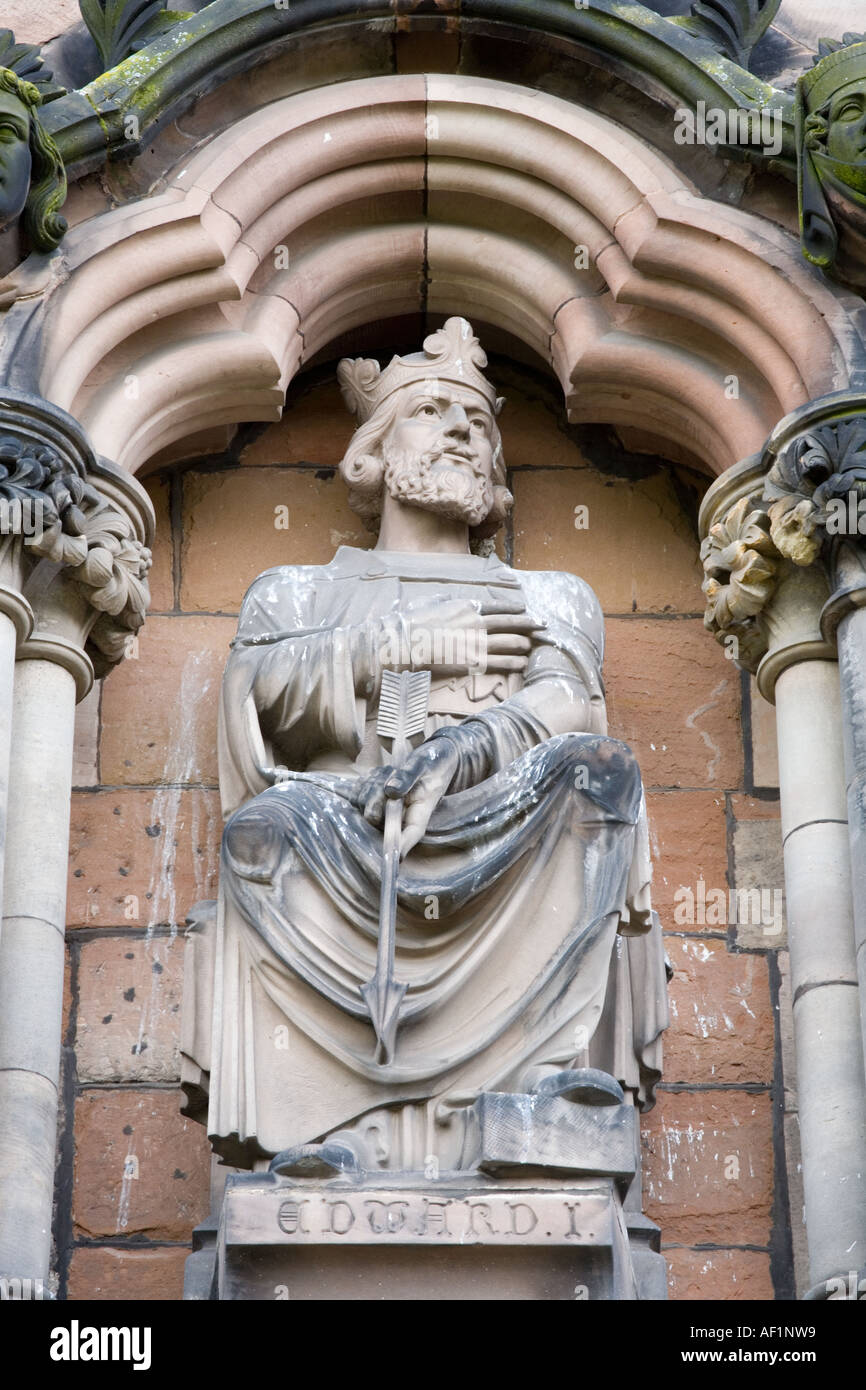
(525, 959)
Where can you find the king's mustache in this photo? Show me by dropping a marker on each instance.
(446, 449)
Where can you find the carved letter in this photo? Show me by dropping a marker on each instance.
(516, 1208)
(290, 1217)
(391, 1219)
(435, 1220)
(483, 1210)
(340, 1223)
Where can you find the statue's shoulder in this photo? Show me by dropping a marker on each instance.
(283, 578)
(282, 597)
(348, 562)
(565, 592)
(566, 601)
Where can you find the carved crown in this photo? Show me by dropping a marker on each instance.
(834, 70)
(452, 354)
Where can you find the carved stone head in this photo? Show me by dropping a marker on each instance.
(831, 142)
(846, 129)
(427, 433)
(32, 177)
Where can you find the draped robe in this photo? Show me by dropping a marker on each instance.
(525, 933)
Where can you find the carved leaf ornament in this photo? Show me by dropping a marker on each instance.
(737, 558)
(115, 25)
(787, 521)
(26, 61)
(81, 530)
(733, 26)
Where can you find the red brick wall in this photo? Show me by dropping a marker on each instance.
(133, 1175)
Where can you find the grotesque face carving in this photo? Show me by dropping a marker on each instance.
(16, 160)
(439, 452)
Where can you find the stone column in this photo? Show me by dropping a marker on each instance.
(816, 461)
(44, 459)
(845, 616)
(87, 589)
(766, 607)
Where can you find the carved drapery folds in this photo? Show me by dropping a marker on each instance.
(798, 504)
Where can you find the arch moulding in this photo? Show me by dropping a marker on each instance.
(365, 202)
(655, 307)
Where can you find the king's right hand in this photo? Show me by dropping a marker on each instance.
(453, 637)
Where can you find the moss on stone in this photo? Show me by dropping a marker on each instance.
(167, 75)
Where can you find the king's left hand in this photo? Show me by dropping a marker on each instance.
(422, 781)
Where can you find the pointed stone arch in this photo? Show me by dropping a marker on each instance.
(394, 195)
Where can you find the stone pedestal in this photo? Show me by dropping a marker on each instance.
(453, 1239)
(547, 1228)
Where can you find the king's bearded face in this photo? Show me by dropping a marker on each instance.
(439, 453)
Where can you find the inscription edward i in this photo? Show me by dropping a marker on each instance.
(364, 1219)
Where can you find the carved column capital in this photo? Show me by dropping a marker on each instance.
(75, 532)
(740, 562)
(44, 457)
(783, 551)
(763, 607)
